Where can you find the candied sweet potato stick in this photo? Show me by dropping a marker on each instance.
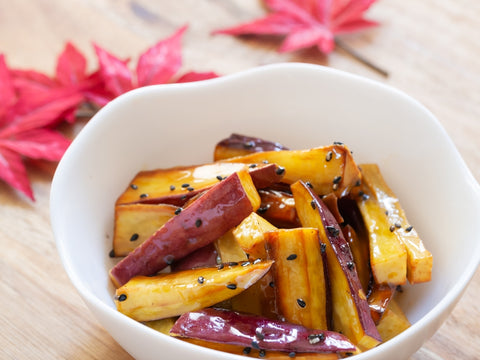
(259, 299)
(327, 169)
(231, 327)
(388, 256)
(178, 184)
(300, 283)
(238, 145)
(221, 208)
(351, 314)
(419, 259)
(146, 298)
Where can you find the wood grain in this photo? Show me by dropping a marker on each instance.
(430, 49)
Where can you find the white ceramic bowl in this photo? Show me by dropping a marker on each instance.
(300, 106)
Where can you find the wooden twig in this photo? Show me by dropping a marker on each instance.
(355, 54)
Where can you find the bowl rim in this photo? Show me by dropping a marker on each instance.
(94, 303)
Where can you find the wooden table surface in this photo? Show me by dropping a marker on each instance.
(430, 48)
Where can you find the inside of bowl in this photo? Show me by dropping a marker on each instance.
(299, 106)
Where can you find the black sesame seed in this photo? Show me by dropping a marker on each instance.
(350, 265)
(329, 156)
(172, 187)
(220, 267)
(183, 197)
(361, 193)
(259, 335)
(398, 225)
(122, 297)
(323, 247)
(337, 179)
(219, 177)
(201, 279)
(134, 187)
(143, 196)
(292, 257)
(392, 228)
(245, 263)
(262, 353)
(198, 223)
(408, 229)
(253, 166)
(190, 188)
(247, 350)
(263, 209)
(249, 144)
(255, 345)
(232, 263)
(348, 353)
(301, 303)
(386, 212)
(365, 197)
(134, 237)
(111, 253)
(232, 286)
(337, 143)
(309, 184)
(271, 284)
(178, 211)
(265, 161)
(332, 230)
(185, 185)
(358, 183)
(292, 354)
(280, 170)
(313, 205)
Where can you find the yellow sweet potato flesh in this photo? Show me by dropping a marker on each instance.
(388, 256)
(250, 235)
(146, 298)
(419, 259)
(299, 277)
(393, 321)
(135, 223)
(259, 298)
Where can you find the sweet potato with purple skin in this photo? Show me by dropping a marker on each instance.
(237, 145)
(351, 314)
(146, 298)
(257, 353)
(176, 185)
(221, 208)
(230, 327)
(203, 257)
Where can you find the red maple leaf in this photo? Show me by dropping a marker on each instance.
(157, 65)
(20, 137)
(307, 23)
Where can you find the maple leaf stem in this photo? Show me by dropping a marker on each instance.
(355, 54)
